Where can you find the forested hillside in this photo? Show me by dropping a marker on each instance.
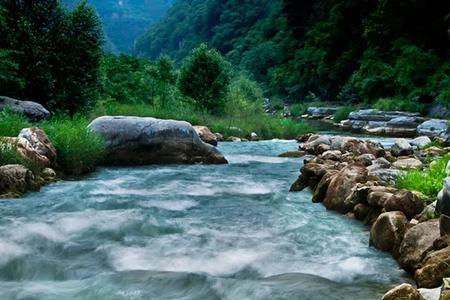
(351, 51)
(125, 20)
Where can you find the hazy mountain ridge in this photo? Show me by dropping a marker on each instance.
(125, 20)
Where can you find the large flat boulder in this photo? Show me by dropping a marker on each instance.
(32, 110)
(433, 128)
(140, 141)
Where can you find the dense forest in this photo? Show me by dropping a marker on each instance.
(125, 20)
(351, 51)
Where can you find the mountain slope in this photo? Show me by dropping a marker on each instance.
(125, 20)
(350, 50)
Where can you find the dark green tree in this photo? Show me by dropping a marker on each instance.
(205, 77)
(57, 52)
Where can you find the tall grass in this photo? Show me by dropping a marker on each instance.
(241, 122)
(10, 156)
(79, 150)
(428, 182)
(11, 123)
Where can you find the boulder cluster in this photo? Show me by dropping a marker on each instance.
(357, 177)
(34, 146)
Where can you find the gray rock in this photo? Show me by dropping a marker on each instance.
(388, 176)
(401, 147)
(443, 199)
(137, 141)
(433, 128)
(420, 142)
(405, 122)
(32, 110)
(320, 112)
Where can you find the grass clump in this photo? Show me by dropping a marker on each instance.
(11, 123)
(79, 150)
(10, 156)
(428, 182)
(342, 113)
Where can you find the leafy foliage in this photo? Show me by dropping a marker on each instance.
(55, 52)
(204, 77)
(354, 51)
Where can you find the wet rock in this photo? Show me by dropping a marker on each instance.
(320, 191)
(304, 138)
(387, 231)
(433, 128)
(408, 164)
(48, 175)
(16, 180)
(206, 135)
(138, 141)
(403, 292)
(420, 142)
(361, 211)
(378, 195)
(32, 110)
(401, 147)
(418, 241)
(434, 268)
(254, 137)
(405, 201)
(219, 136)
(310, 175)
(341, 185)
(366, 159)
(335, 155)
(293, 154)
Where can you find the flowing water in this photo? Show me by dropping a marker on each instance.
(188, 232)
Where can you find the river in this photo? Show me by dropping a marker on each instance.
(188, 232)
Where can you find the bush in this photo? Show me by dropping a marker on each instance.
(399, 104)
(12, 123)
(342, 113)
(79, 150)
(428, 182)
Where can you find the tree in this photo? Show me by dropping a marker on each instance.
(205, 77)
(57, 52)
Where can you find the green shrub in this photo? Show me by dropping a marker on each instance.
(79, 150)
(342, 113)
(399, 104)
(12, 123)
(428, 182)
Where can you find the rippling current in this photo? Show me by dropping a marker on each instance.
(188, 232)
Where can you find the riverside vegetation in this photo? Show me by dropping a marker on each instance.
(220, 71)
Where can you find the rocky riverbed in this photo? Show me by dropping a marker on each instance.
(356, 177)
